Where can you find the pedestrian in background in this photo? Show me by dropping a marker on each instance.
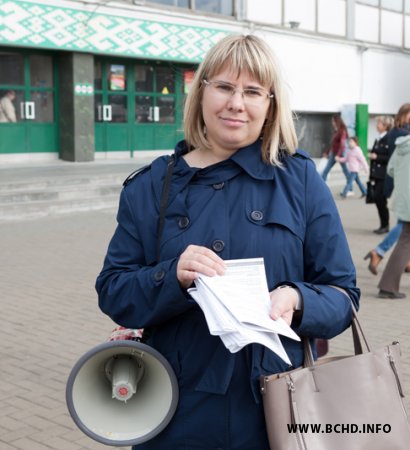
(238, 189)
(377, 254)
(379, 157)
(355, 162)
(337, 147)
(400, 128)
(399, 169)
(7, 109)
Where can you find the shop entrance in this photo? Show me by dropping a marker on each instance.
(138, 105)
(27, 103)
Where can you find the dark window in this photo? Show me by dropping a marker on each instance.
(215, 6)
(144, 78)
(165, 80)
(224, 7)
(41, 70)
(12, 68)
(180, 3)
(97, 75)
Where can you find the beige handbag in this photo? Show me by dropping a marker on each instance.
(342, 403)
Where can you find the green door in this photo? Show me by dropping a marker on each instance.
(158, 106)
(138, 105)
(27, 93)
(111, 106)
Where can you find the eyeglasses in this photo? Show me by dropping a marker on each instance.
(251, 96)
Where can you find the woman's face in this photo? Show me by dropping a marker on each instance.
(380, 126)
(232, 121)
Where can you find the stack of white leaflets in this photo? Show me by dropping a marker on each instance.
(237, 305)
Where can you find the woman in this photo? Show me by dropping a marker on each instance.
(337, 147)
(401, 128)
(399, 169)
(385, 188)
(379, 157)
(239, 189)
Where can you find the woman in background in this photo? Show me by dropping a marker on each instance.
(385, 188)
(379, 157)
(399, 169)
(337, 147)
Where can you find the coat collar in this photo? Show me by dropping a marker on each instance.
(248, 158)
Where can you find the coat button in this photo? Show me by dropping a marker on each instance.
(159, 275)
(183, 222)
(218, 186)
(218, 245)
(257, 215)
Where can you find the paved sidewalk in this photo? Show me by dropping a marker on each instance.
(50, 317)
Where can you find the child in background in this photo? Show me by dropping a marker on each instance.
(355, 161)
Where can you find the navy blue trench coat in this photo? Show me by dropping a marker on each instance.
(240, 208)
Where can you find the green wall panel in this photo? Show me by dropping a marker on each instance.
(362, 125)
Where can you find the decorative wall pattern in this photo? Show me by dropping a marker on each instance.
(37, 25)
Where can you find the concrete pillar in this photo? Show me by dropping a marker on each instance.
(77, 142)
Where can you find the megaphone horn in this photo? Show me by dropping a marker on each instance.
(122, 393)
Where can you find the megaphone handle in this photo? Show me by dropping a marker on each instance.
(126, 334)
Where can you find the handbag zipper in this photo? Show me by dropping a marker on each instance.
(394, 369)
(293, 408)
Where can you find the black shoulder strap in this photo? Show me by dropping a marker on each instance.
(132, 175)
(164, 202)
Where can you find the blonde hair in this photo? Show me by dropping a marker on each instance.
(386, 121)
(244, 53)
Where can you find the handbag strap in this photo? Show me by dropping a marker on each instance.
(359, 340)
(164, 202)
(358, 334)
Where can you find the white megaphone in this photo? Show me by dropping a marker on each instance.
(122, 393)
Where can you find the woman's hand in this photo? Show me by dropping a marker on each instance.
(283, 303)
(195, 260)
(373, 155)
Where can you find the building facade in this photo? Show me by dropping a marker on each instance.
(107, 79)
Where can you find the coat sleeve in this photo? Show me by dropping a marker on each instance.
(132, 293)
(390, 165)
(328, 266)
(362, 161)
(383, 155)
